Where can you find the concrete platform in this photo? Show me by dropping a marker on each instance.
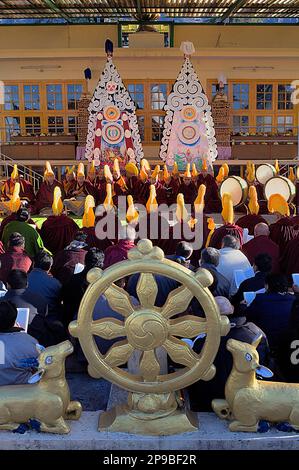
(213, 434)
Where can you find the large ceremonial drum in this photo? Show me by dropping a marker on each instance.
(237, 187)
(280, 185)
(265, 172)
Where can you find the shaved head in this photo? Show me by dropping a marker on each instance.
(261, 229)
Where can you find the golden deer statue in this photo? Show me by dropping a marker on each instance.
(248, 400)
(47, 400)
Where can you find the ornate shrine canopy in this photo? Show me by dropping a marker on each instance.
(218, 11)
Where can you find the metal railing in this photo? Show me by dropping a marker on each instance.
(7, 164)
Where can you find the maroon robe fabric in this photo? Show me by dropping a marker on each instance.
(14, 258)
(26, 189)
(284, 230)
(212, 200)
(57, 232)
(250, 221)
(171, 191)
(160, 193)
(86, 189)
(261, 198)
(69, 187)
(227, 229)
(262, 244)
(119, 190)
(119, 252)
(289, 261)
(189, 191)
(93, 241)
(65, 262)
(134, 186)
(45, 195)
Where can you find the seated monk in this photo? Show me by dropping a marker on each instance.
(76, 197)
(26, 192)
(285, 228)
(58, 230)
(154, 181)
(91, 175)
(171, 187)
(119, 183)
(45, 194)
(228, 227)
(253, 218)
(133, 183)
(188, 187)
(69, 181)
(104, 233)
(212, 200)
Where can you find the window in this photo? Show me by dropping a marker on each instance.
(12, 127)
(11, 97)
(74, 93)
(264, 96)
(158, 95)
(140, 120)
(55, 124)
(31, 97)
(264, 123)
(157, 127)
(54, 97)
(240, 96)
(285, 124)
(214, 89)
(240, 124)
(72, 124)
(32, 125)
(136, 91)
(284, 97)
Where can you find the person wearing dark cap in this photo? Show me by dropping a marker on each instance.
(15, 256)
(16, 348)
(33, 241)
(65, 260)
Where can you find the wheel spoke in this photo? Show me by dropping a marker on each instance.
(149, 366)
(119, 300)
(177, 302)
(180, 352)
(108, 328)
(147, 290)
(187, 326)
(119, 354)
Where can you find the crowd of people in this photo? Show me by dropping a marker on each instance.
(45, 269)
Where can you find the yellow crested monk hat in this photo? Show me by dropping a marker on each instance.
(277, 203)
(132, 214)
(57, 206)
(92, 168)
(204, 165)
(131, 169)
(15, 202)
(227, 209)
(107, 173)
(250, 172)
(187, 173)
(292, 176)
(194, 171)
(71, 170)
(211, 228)
(253, 204)
(48, 170)
(166, 174)
(175, 170)
(143, 174)
(88, 218)
(156, 171)
(116, 168)
(221, 175)
(226, 169)
(277, 167)
(81, 170)
(145, 164)
(181, 211)
(14, 174)
(108, 203)
(199, 202)
(152, 204)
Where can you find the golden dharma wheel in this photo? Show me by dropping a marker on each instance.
(147, 327)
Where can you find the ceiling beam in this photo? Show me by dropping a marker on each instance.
(50, 4)
(232, 9)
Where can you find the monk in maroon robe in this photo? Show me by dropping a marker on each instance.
(212, 199)
(69, 181)
(188, 189)
(57, 232)
(221, 232)
(250, 221)
(26, 189)
(289, 261)
(284, 230)
(45, 194)
(171, 188)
